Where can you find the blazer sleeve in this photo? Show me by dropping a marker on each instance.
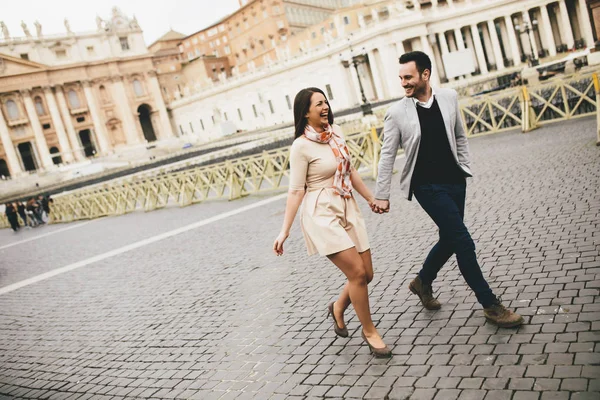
(391, 141)
(462, 144)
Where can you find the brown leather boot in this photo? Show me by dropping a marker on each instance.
(501, 316)
(425, 293)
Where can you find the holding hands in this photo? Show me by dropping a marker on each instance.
(379, 206)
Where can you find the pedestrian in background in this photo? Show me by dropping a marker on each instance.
(11, 215)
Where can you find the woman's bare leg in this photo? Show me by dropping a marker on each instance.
(351, 264)
(343, 301)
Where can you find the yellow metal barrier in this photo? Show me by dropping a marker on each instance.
(524, 107)
(232, 179)
(563, 98)
(492, 113)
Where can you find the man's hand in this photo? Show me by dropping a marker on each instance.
(380, 206)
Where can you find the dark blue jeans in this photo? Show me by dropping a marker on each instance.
(445, 204)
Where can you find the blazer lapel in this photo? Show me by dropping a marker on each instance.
(445, 105)
(412, 117)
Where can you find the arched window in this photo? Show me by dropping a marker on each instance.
(104, 95)
(137, 88)
(12, 109)
(39, 106)
(73, 99)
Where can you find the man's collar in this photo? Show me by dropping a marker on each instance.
(426, 104)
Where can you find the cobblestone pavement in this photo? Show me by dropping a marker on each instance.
(212, 314)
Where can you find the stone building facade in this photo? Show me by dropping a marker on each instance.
(70, 96)
(499, 37)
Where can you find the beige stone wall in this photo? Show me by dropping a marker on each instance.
(55, 104)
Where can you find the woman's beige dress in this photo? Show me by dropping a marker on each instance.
(330, 223)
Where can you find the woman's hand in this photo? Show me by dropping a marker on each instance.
(278, 245)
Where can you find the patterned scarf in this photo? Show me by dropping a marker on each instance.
(341, 180)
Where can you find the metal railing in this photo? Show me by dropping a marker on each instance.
(522, 107)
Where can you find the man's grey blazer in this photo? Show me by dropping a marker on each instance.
(402, 129)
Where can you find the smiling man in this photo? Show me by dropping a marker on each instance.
(427, 125)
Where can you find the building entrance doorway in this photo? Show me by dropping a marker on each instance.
(86, 141)
(27, 156)
(4, 171)
(146, 122)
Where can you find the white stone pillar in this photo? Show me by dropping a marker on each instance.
(99, 127)
(9, 149)
(443, 43)
(450, 3)
(584, 23)
(352, 82)
(374, 66)
(487, 44)
(64, 110)
(120, 96)
(389, 62)
(512, 38)
(40, 139)
(356, 84)
(63, 141)
(443, 50)
(435, 76)
(160, 104)
(471, 45)
(434, 5)
(566, 24)
(547, 31)
(479, 49)
(496, 45)
(417, 5)
(458, 37)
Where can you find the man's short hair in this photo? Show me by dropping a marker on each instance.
(422, 60)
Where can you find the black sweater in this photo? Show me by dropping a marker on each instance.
(435, 161)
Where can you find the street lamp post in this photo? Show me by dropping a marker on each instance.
(355, 61)
(528, 28)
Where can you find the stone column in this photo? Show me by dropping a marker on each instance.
(9, 149)
(450, 3)
(434, 5)
(417, 5)
(566, 25)
(99, 127)
(458, 37)
(63, 141)
(584, 23)
(122, 103)
(40, 139)
(375, 70)
(160, 104)
(64, 110)
(496, 45)
(471, 45)
(355, 84)
(487, 44)
(443, 50)
(435, 76)
(388, 62)
(443, 43)
(512, 38)
(547, 34)
(479, 49)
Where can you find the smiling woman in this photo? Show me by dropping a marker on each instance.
(322, 176)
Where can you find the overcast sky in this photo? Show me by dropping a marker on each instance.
(154, 17)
